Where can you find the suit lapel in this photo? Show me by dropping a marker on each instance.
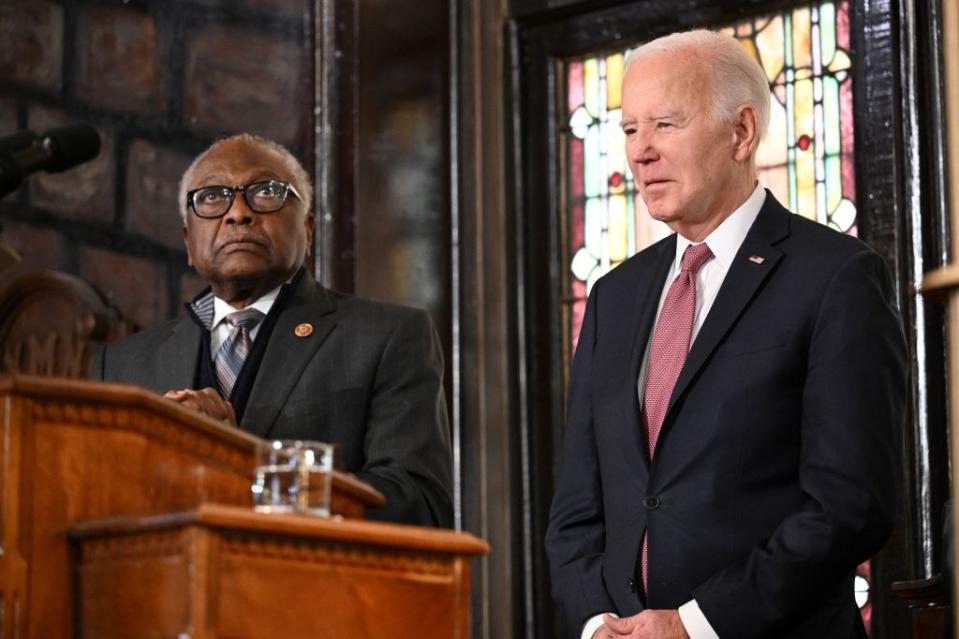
(644, 314)
(179, 368)
(287, 354)
(744, 278)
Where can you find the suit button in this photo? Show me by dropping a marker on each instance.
(632, 585)
(652, 502)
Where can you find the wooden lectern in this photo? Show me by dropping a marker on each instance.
(126, 515)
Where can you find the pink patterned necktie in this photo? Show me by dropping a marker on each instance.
(668, 353)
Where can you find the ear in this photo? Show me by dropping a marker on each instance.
(745, 133)
(186, 242)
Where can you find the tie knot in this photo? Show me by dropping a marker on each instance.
(247, 318)
(695, 256)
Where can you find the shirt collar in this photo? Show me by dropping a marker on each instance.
(726, 238)
(203, 307)
(222, 308)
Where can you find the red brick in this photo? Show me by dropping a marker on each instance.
(38, 247)
(31, 43)
(153, 175)
(136, 285)
(117, 60)
(84, 192)
(239, 80)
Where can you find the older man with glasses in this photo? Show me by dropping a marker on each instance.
(269, 350)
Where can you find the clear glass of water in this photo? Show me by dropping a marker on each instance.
(293, 476)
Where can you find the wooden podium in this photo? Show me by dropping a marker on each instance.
(156, 502)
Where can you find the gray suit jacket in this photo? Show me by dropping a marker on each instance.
(368, 378)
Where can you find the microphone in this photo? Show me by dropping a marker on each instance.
(17, 141)
(56, 150)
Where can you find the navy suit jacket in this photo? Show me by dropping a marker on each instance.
(775, 473)
(369, 378)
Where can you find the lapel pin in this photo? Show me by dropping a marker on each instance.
(756, 259)
(303, 330)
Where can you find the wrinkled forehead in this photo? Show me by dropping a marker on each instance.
(236, 162)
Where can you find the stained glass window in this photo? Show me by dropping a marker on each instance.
(806, 158)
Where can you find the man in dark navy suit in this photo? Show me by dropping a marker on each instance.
(738, 391)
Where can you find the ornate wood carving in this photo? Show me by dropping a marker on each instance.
(242, 545)
(51, 324)
(133, 547)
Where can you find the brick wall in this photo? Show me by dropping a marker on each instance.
(160, 79)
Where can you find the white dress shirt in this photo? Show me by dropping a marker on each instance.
(724, 242)
(221, 308)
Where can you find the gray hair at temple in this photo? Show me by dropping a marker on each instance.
(298, 175)
(736, 78)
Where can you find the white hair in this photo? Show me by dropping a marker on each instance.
(736, 78)
(298, 175)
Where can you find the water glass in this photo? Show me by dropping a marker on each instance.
(293, 476)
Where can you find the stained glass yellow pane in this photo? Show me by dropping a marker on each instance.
(840, 62)
(833, 185)
(750, 47)
(591, 85)
(801, 49)
(773, 149)
(769, 43)
(803, 100)
(614, 81)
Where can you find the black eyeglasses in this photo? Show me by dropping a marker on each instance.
(263, 197)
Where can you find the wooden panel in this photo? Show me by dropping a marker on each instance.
(254, 575)
(150, 571)
(77, 450)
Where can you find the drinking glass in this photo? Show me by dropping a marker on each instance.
(293, 476)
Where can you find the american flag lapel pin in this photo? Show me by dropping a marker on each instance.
(757, 259)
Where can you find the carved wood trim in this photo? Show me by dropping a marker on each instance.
(35, 340)
(243, 546)
(213, 452)
(126, 548)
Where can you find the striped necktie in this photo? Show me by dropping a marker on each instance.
(234, 349)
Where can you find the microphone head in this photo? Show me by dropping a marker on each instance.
(70, 146)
